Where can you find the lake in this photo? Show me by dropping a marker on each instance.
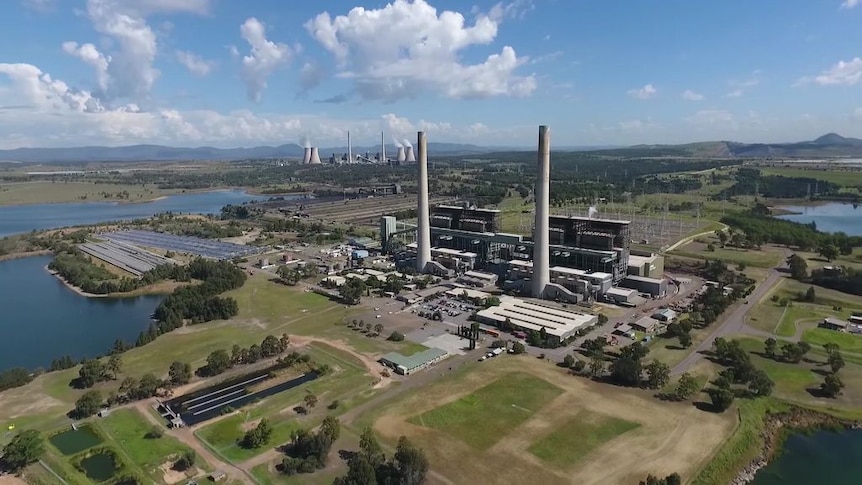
(822, 457)
(42, 319)
(831, 217)
(16, 219)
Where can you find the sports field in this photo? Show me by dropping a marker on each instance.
(669, 437)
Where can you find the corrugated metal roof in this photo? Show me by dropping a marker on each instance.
(418, 359)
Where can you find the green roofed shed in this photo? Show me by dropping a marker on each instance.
(407, 364)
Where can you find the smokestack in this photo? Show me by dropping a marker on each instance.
(349, 149)
(423, 231)
(409, 155)
(315, 156)
(541, 249)
(306, 156)
(401, 155)
(383, 147)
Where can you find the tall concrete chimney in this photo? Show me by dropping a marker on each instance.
(423, 213)
(410, 156)
(349, 149)
(541, 249)
(383, 147)
(315, 156)
(306, 155)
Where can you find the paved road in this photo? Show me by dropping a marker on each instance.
(733, 322)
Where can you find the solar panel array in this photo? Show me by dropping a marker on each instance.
(130, 258)
(207, 248)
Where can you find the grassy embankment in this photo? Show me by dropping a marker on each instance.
(44, 192)
(852, 180)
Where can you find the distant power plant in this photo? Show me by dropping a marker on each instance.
(404, 153)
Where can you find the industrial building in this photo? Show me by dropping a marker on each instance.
(558, 324)
(646, 264)
(654, 287)
(408, 364)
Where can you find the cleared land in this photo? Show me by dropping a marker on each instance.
(483, 417)
(579, 437)
(672, 436)
(765, 258)
(844, 178)
(792, 321)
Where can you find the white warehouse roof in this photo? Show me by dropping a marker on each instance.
(531, 316)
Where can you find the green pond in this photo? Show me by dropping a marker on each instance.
(71, 442)
(99, 467)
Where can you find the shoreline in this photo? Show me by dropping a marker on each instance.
(125, 202)
(73, 287)
(27, 254)
(779, 427)
(145, 291)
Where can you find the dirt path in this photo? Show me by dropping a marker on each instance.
(187, 437)
(11, 480)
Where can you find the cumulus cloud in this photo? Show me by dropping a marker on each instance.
(848, 4)
(407, 47)
(843, 73)
(195, 63)
(690, 95)
(265, 57)
(127, 72)
(646, 92)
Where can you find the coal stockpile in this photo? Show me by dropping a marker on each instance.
(205, 404)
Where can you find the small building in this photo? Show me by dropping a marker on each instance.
(857, 319)
(104, 412)
(836, 324)
(408, 364)
(644, 263)
(359, 254)
(218, 476)
(625, 330)
(478, 279)
(667, 315)
(645, 324)
(621, 295)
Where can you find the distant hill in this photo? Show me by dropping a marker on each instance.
(828, 145)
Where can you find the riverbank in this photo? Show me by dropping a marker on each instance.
(26, 254)
(778, 427)
(156, 289)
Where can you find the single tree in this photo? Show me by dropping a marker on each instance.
(771, 345)
(798, 267)
(396, 336)
(25, 448)
(217, 362)
(310, 400)
(180, 373)
(409, 464)
(88, 404)
(760, 384)
(115, 365)
(185, 461)
(836, 361)
(829, 251)
(832, 386)
(597, 365)
(626, 371)
(331, 428)
(370, 448)
(658, 374)
(685, 340)
(686, 386)
(722, 399)
(568, 361)
(378, 328)
(518, 348)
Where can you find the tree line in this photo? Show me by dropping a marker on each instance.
(758, 225)
(79, 270)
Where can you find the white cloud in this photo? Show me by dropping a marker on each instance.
(91, 56)
(690, 95)
(735, 93)
(266, 56)
(127, 72)
(310, 76)
(38, 110)
(646, 92)
(843, 73)
(516, 9)
(406, 47)
(41, 6)
(848, 4)
(195, 63)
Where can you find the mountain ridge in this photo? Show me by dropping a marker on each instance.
(828, 145)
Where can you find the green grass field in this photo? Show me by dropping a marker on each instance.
(839, 177)
(577, 438)
(765, 258)
(349, 384)
(783, 321)
(483, 417)
(128, 429)
(846, 341)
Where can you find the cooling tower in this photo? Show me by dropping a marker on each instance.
(541, 249)
(315, 157)
(423, 229)
(409, 155)
(306, 156)
(401, 155)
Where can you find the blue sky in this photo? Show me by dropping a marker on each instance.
(230, 73)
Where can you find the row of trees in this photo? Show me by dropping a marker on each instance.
(79, 270)
(218, 361)
(308, 451)
(739, 371)
(758, 224)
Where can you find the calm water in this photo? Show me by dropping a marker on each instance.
(823, 457)
(25, 218)
(41, 319)
(832, 217)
